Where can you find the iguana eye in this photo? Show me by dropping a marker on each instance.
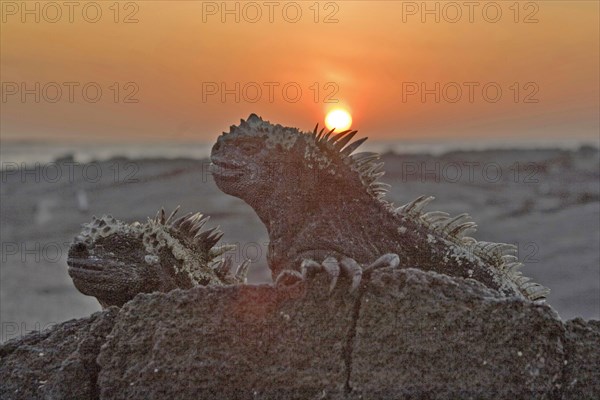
(249, 148)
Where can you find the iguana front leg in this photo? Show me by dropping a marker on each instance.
(333, 266)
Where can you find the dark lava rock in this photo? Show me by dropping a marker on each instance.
(58, 363)
(582, 364)
(433, 336)
(228, 342)
(404, 334)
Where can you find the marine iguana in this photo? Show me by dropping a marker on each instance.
(324, 210)
(114, 261)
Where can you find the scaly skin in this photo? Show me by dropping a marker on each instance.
(324, 210)
(114, 261)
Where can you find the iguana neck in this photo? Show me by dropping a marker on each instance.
(291, 212)
(282, 214)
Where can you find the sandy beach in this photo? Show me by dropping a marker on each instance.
(547, 202)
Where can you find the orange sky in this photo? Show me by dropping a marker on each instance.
(370, 55)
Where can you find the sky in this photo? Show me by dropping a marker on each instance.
(187, 70)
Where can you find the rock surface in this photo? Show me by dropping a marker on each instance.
(59, 363)
(234, 342)
(404, 334)
(425, 334)
(582, 364)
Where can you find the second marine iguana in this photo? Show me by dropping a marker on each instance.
(324, 209)
(114, 261)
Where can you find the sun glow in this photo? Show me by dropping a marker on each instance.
(339, 119)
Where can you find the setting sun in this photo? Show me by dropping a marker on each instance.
(338, 119)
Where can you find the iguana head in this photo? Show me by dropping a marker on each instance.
(261, 162)
(113, 261)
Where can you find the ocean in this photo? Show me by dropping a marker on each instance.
(32, 152)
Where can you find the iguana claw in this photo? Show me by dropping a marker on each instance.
(386, 261)
(348, 266)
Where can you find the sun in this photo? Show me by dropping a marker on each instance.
(339, 119)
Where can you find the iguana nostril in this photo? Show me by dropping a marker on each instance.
(79, 247)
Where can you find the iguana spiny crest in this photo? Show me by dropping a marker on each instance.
(324, 209)
(113, 261)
